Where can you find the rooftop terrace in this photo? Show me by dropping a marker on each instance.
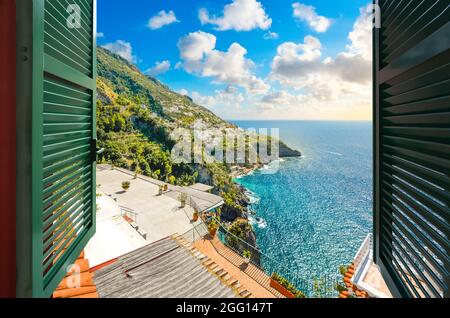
(158, 216)
(136, 251)
(114, 235)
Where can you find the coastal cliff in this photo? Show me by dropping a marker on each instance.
(287, 152)
(136, 116)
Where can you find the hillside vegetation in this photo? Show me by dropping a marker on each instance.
(136, 115)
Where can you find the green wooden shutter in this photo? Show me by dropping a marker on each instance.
(63, 138)
(412, 146)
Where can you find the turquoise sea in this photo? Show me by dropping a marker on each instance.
(314, 212)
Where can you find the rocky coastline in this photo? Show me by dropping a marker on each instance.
(249, 236)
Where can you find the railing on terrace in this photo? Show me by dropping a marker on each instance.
(129, 213)
(191, 202)
(363, 262)
(364, 251)
(311, 286)
(196, 233)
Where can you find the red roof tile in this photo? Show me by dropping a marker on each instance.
(86, 288)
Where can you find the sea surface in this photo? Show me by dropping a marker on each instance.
(313, 212)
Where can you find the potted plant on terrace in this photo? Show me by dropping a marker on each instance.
(137, 171)
(285, 287)
(343, 269)
(247, 256)
(183, 198)
(195, 215)
(339, 287)
(212, 227)
(125, 185)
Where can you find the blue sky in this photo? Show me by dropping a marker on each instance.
(224, 79)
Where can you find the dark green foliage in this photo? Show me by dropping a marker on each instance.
(133, 87)
(240, 229)
(125, 185)
(135, 117)
(340, 287)
(343, 269)
(287, 284)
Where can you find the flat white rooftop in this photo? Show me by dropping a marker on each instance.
(201, 187)
(114, 236)
(159, 216)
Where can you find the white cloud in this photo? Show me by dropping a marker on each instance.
(195, 45)
(122, 49)
(292, 59)
(294, 62)
(230, 67)
(221, 101)
(309, 15)
(309, 84)
(161, 19)
(299, 64)
(205, 101)
(341, 81)
(280, 99)
(361, 36)
(240, 15)
(230, 96)
(183, 92)
(99, 35)
(271, 36)
(159, 68)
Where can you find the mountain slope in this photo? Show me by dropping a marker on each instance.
(136, 115)
(116, 76)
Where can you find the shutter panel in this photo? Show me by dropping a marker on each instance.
(412, 146)
(63, 138)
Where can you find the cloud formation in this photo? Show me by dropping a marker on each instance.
(231, 67)
(271, 36)
(230, 98)
(318, 87)
(195, 45)
(240, 15)
(123, 49)
(305, 83)
(159, 68)
(279, 99)
(163, 18)
(301, 67)
(309, 15)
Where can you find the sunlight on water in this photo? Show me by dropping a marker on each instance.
(315, 211)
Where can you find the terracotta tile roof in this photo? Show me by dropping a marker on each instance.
(352, 290)
(249, 276)
(86, 288)
(216, 269)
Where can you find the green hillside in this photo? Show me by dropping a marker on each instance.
(120, 82)
(135, 116)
